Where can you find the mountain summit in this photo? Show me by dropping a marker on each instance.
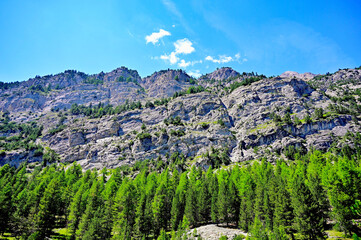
(118, 118)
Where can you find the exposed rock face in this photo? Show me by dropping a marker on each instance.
(221, 74)
(240, 121)
(304, 76)
(165, 83)
(15, 158)
(214, 232)
(71, 87)
(115, 140)
(344, 77)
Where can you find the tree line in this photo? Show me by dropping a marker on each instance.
(270, 201)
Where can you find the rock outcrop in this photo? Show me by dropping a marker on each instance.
(261, 118)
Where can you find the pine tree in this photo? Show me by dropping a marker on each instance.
(283, 216)
(204, 202)
(76, 210)
(179, 201)
(160, 211)
(258, 231)
(143, 218)
(307, 220)
(247, 196)
(48, 206)
(223, 197)
(5, 207)
(93, 203)
(342, 180)
(234, 201)
(191, 210)
(124, 207)
(163, 235)
(213, 190)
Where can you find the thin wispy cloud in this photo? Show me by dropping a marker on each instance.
(172, 58)
(183, 63)
(154, 37)
(223, 58)
(172, 8)
(195, 73)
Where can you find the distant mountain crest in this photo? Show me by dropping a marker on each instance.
(303, 76)
(221, 74)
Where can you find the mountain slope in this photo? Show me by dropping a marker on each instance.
(243, 117)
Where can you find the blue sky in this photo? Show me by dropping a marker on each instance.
(42, 37)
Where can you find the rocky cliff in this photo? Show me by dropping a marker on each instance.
(93, 119)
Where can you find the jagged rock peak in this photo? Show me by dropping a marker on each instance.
(165, 83)
(303, 76)
(169, 74)
(123, 72)
(221, 74)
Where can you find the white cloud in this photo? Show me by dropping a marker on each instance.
(172, 58)
(195, 73)
(223, 58)
(196, 62)
(184, 64)
(154, 37)
(183, 46)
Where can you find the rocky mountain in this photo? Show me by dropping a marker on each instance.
(165, 83)
(118, 118)
(220, 74)
(304, 76)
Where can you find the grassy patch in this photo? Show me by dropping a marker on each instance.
(333, 234)
(262, 126)
(60, 233)
(7, 236)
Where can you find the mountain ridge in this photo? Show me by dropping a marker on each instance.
(117, 118)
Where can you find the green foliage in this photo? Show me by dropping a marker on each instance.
(289, 200)
(190, 90)
(292, 152)
(217, 156)
(173, 120)
(192, 81)
(245, 82)
(24, 135)
(101, 109)
(177, 133)
(287, 119)
(318, 113)
(149, 104)
(276, 118)
(204, 125)
(307, 119)
(297, 121)
(221, 122)
(40, 88)
(8, 85)
(94, 81)
(127, 80)
(143, 135)
(57, 129)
